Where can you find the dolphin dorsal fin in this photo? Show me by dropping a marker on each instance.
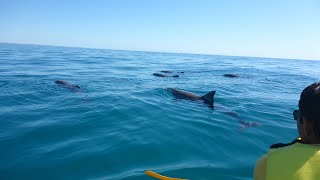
(208, 98)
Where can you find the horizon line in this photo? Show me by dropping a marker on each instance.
(150, 51)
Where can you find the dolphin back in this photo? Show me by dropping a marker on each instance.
(209, 98)
(61, 82)
(179, 94)
(161, 75)
(65, 84)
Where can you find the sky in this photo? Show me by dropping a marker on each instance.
(259, 28)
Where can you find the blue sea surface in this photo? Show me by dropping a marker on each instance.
(124, 122)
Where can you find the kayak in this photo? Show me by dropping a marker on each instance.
(155, 175)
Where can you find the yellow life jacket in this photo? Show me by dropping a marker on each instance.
(294, 162)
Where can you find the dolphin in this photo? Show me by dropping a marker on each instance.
(231, 75)
(72, 87)
(247, 124)
(166, 71)
(161, 75)
(209, 100)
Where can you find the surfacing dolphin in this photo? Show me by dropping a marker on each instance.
(166, 71)
(209, 100)
(161, 75)
(231, 75)
(179, 94)
(72, 87)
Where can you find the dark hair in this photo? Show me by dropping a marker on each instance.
(309, 106)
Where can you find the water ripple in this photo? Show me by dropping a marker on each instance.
(123, 121)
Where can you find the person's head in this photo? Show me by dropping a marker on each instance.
(308, 116)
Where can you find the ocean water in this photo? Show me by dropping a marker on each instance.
(124, 122)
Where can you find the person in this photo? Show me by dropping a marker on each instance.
(299, 159)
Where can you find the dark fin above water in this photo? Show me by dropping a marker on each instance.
(166, 71)
(159, 75)
(209, 98)
(231, 75)
(60, 82)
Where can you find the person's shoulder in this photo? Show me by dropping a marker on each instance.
(262, 160)
(260, 168)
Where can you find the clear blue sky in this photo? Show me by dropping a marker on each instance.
(263, 28)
